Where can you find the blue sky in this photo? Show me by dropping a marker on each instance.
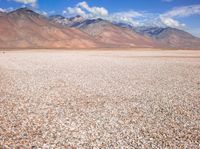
(183, 14)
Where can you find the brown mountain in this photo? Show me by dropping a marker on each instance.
(175, 38)
(23, 28)
(2, 13)
(170, 37)
(114, 36)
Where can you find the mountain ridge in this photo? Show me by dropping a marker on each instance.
(25, 28)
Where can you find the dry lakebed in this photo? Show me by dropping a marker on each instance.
(100, 99)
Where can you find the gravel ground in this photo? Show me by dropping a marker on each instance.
(100, 99)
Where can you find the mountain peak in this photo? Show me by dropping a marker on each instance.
(24, 11)
(76, 18)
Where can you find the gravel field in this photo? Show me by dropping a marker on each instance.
(100, 99)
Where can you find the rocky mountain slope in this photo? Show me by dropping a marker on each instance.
(23, 28)
(162, 37)
(174, 38)
(167, 36)
(70, 22)
(113, 35)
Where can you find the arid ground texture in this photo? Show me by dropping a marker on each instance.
(100, 99)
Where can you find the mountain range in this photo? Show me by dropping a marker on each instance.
(24, 28)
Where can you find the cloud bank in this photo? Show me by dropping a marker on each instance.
(87, 11)
(170, 18)
(136, 18)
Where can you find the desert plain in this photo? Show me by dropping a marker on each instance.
(100, 99)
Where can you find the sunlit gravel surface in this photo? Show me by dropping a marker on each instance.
(100, 99)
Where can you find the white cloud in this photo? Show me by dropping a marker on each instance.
(6, 9)
(33, 3)
(86, 11)
(170, 18)
(171, 22)
(96, 11)
(74, 11)
(126, 17)
(184, 11)
(128, 14)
